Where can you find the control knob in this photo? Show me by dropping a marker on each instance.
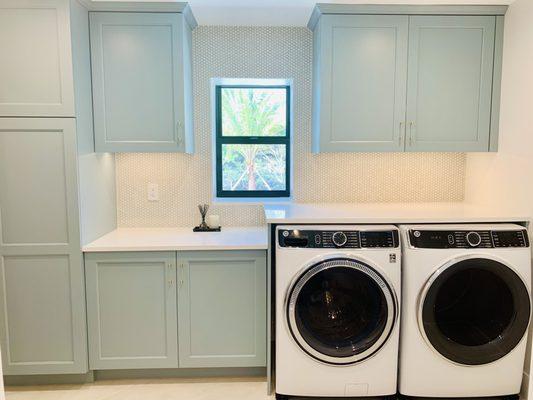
(339, 239)
(473, 239)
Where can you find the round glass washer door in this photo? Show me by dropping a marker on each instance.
(474, 311)
(341, 311)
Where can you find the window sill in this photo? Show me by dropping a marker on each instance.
(256, 201)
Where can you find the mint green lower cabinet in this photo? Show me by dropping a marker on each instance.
(131, 309)
(222, 308)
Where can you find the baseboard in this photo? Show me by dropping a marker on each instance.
(31, 380)
(114, 374)
(91, 376)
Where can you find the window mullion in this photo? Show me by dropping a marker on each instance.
(248, 140)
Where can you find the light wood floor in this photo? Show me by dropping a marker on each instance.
(153, 389)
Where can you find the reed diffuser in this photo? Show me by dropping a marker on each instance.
(203, 227)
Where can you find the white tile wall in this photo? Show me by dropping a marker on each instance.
(272, 52)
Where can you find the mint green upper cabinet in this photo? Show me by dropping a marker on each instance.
(450, 83)
(406, 78)
(141, 82)
(35, 66)
(222, 308)
(131, 309)
(42, 297)
(360, 81)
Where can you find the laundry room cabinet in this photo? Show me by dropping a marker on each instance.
(406, 78)
(449, 94)
(42, 301)
(36, 68)
(190, 309)
(142, 81)
(222, 308)
(131, 310)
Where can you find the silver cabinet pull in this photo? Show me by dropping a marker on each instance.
(400, 139)
(182, 267)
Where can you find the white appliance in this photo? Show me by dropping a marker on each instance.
(465, 309)
(337, 291)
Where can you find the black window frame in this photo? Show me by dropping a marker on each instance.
(221, 140)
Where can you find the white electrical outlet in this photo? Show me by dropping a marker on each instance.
(153, 192)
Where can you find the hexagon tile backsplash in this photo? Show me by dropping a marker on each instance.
(285, 53)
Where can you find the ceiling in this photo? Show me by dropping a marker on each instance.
(284, 12)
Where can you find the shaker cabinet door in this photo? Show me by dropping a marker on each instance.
(131, 308)
(222, 308)
(138, 81)
(36, 59)
(360, 83)
(42, 297)
(450, 83)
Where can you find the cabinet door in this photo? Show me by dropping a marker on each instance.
(131, 309)
(36, 66)
(360, 83)
(450, 83)
(222, 308)
(42, 298)
(138, 92)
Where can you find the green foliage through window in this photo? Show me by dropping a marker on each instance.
(252, 141)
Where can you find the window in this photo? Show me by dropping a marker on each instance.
(252, 140)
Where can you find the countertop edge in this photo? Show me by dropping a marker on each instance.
(395, 221)
(110, 249)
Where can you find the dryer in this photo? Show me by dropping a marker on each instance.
(465, 309)
(337, 291)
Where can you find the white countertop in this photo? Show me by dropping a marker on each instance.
(391, 213)
(175, 239)
(256, 238)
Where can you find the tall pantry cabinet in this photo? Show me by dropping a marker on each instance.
(46, 160)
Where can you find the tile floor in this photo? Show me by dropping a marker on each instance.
(153, 389)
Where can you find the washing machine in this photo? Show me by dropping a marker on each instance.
(337, 291)
(465, 309)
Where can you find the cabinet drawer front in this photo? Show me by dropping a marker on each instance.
(450, 83)
(222, 309)
(363, 82)
(36, 68)
(131, 305)
(137, 71)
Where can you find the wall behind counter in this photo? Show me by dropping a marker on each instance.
(272, 52)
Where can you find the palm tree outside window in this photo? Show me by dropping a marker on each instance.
(252, 141)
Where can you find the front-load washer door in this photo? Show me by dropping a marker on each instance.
(341, 311)
(474, 310)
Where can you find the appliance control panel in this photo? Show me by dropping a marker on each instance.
(338, 239)
(423, 239)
